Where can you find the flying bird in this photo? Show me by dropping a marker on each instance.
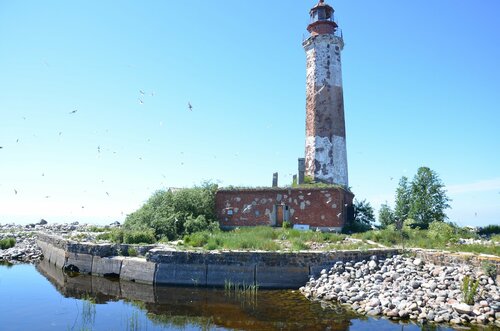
(107, 194)
(141, 92)
(190, 106)
(141, 102)
(74, 111)
(15, 191)
(99, 149)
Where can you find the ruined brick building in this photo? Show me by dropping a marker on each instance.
(327, 207)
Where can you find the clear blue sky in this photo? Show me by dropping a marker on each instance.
(421, 85)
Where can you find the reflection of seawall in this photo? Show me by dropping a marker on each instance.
(169, 267)
(102, 289)
(268, 310)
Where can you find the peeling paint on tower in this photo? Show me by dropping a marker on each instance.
(325, 150)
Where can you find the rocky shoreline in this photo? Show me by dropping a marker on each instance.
(407, 288)
(26, 249)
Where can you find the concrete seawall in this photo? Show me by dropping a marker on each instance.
(169, 267)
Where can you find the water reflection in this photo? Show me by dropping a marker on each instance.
(178, 307)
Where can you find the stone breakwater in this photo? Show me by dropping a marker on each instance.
(408, 288)
(166, 266)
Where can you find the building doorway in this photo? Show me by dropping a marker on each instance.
(281, 215)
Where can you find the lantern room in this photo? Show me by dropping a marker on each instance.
(322, 19)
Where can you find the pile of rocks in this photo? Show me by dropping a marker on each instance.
(406, 288)
(26, 249)
(471, 241)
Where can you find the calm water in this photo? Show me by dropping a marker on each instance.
(43, 298)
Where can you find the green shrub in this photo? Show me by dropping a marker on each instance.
(139, 237)
(115, 235)
(440, 231)
(132, 251)
(172, 215)
(7, 243)
(469, 289)
(286, 225)
(198, 224)
(198, 239)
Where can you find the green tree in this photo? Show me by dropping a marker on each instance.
(403, 200)
(363, 218)
(428, 197)
(385, 215)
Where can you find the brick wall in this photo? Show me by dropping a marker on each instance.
(318, 208)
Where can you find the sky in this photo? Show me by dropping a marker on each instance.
(94, 98)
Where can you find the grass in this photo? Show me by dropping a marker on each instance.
(438, 236)
(7, 243)
(261, 238)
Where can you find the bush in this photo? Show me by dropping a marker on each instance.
(172, 215)
(132, 251)
(7, 243)
(198, 224)
(115, 235)
(139, 237)
(198, 239)
(440, 231)
(286, 225)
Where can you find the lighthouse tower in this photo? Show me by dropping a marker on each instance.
(325, 154)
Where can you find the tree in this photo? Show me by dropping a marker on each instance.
(363, 218)
(428, 197)
(363, 212)
(385, 215)
(403, 200)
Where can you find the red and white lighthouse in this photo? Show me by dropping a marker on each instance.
(325, 151)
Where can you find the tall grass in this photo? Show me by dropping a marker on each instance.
(440, 235)
(259, 238)
(239, 290)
